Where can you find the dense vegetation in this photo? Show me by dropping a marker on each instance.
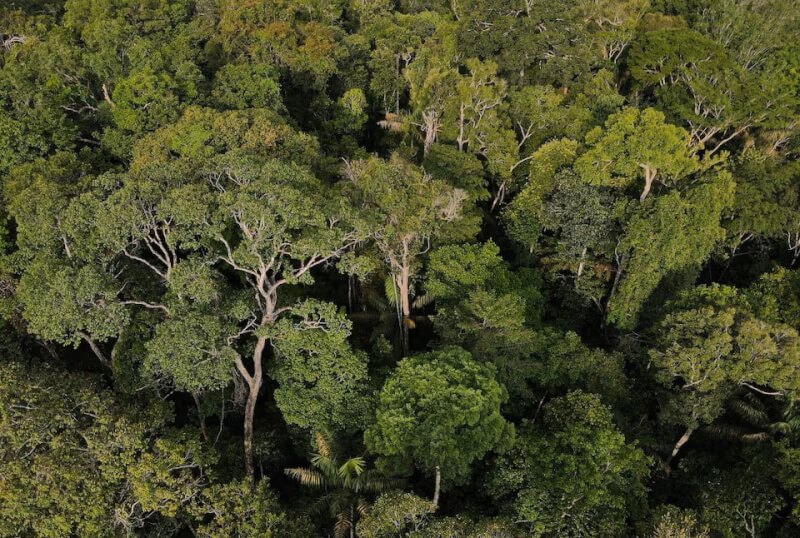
(400, 268)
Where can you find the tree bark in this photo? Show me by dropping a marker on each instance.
(200, 417)
(249, 414)
(498, 197)
(401, 280)
(583, 261)
(649, 176)
(617, 277)
(679, 444)
(253, 385)
(437, 487)
(107, 97)
(396, 92)
(460, 139)
(431, 130)
(454, 9)
(96, 349)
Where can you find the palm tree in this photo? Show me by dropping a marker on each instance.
(381, 311)
(343, 484)
(751, 420)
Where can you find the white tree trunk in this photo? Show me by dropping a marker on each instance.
(437, 487)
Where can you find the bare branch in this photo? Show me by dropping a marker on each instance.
(162, 274)
(760, 391)
(145, 304)
(107, 97)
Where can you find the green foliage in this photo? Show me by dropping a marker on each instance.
(452, 527)
(573, 474)
(711, 343)
(452, 269)
(486, 308)
(675, 523)
(440, 409)
(740, 501)
(523, 217)
(65, 304)
(410, 223)
(765, 198)
(243, 86)
(191, 352)
(395, 514)
(675, 233)
(322, 382)
(563, 360)
(238, 510)
(344, 484)
(633, 145)
(406, 206)
(77, 460)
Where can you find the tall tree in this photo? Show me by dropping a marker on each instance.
(439, 411)
(711, 344)
(573, 474)
(407, 211)
(636, 144)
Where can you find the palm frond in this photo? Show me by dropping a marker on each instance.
(791, 414)
(306, 477)
(755, 437)
(374, 483)
(390, 290)
(727, 431)
(352, 467)
(393, 122)
(321, 507)
(342, 526)
(323, 445)
(783, 428)
(751, 411)
(362, 506)
(421, 301)
(339, 502)
(329, 468)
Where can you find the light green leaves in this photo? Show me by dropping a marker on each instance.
(192, 352)
(675, 234)
(67, 304)
(713, 345)
(440, 409)
(636, 145)
(322, 382)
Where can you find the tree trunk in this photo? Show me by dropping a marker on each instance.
(253, 386)
(249, 414)
(583, 261)
(437, 487)
(498, 198)
(201, 418)
(649, 176)
(460, 139)
(107, 96)
(617, 278)
(396, 92)
(405, 307)
(431, 130)
(454, 9)
(682, 441)
(96, 349)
